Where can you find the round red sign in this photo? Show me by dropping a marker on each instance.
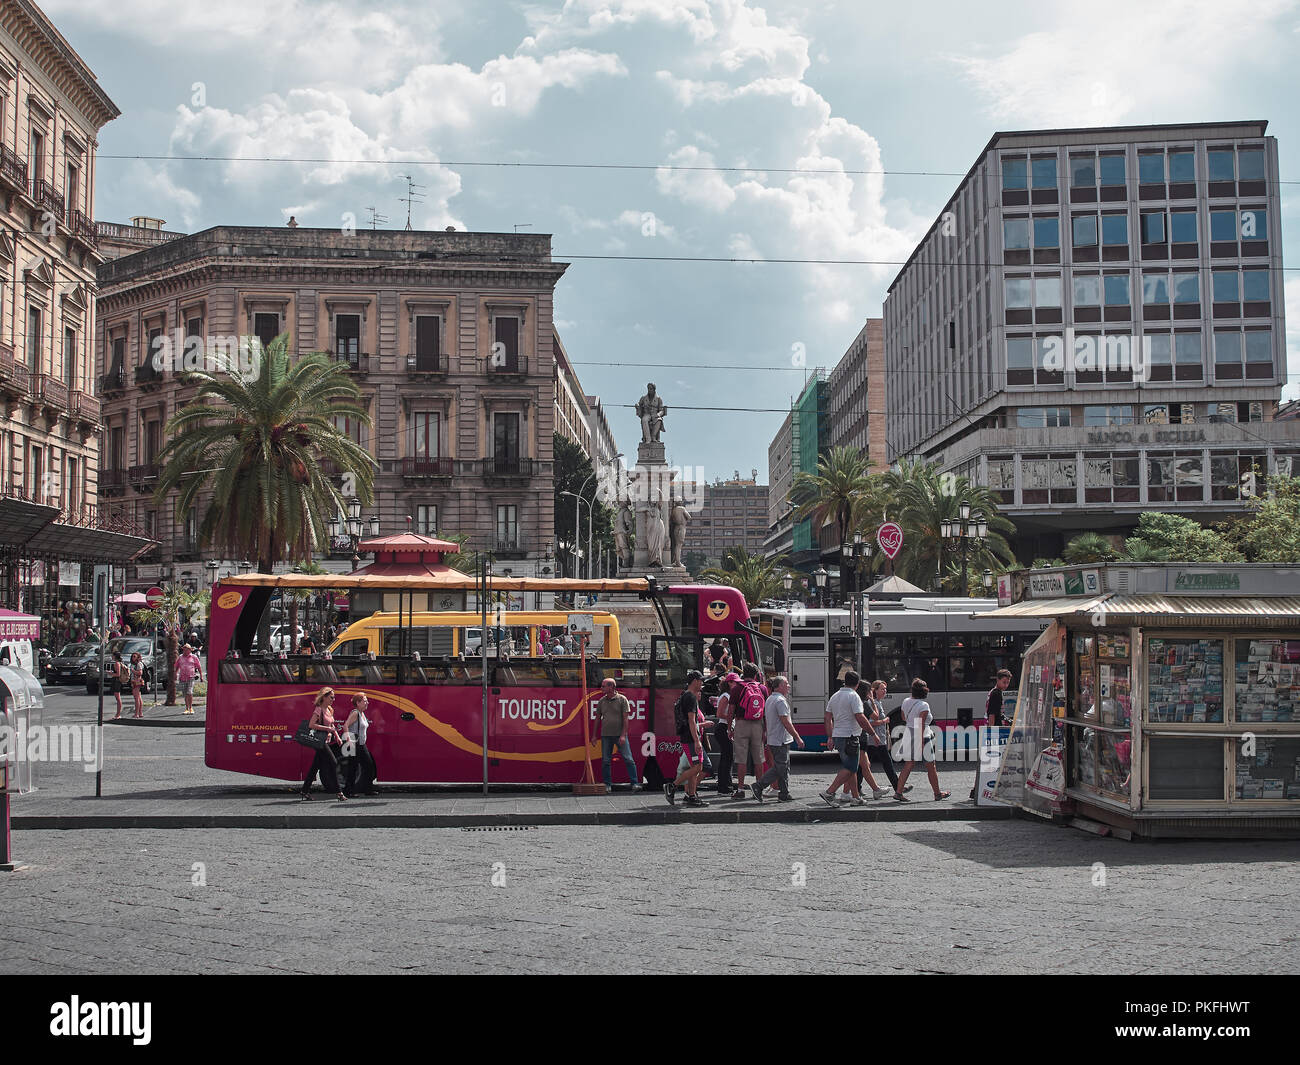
(890, 539)
(153, 597)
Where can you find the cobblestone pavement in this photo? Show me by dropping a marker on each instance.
(920, 898)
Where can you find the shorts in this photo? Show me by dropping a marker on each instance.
(747, 745)
(690, 757)
(847, 761)
(185, 687)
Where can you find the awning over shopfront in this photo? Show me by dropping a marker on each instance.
(21, 520)
(16, 626)
(78, 541)
(1113, 608)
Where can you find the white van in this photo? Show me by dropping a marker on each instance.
(17, 653)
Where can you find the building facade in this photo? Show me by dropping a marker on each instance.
(448, 334)
(51, 111)
(1093, 327)
(571, 410)
(779, 541)
(856, 398)
(732, 514)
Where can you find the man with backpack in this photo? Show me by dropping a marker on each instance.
(715, 688)
(690, 768)
(747, 702)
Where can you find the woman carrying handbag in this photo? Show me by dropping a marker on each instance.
(326, 760)
(137, 682)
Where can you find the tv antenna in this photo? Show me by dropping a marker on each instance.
(376, 218)
(412, 196)
(522, 225)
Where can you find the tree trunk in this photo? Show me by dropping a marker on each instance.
(171, 664)
(293, 625)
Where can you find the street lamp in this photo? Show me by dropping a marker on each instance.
(988, 579)
(353, 526)
(578, 501)
(787, 582)
(819, 576)
(962, 532)
(245, 566)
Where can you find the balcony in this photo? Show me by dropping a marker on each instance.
(13, 171)
(49, 391)
(148, 376)
(143, 478)
(510, 547)
(355, 361)
(506, 468)
(47, 199)
(112, 481)
(426, 466)
(506, 366)
(84, 407)
(113, 381)
(185, 549)
(426, 364)
(83, 228)
(14, 376)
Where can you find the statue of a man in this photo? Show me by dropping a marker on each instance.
(677, 531)
(624, 524)
(651, 410)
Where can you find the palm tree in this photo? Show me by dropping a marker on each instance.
(755, 577)
(256, 445)
(1138, 550)
(843, 477)
(925, 500)
(1088, 547)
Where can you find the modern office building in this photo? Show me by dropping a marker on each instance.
(448, 334)
(779, 540)
(733, 513)
(856, 395)
(1093, 327)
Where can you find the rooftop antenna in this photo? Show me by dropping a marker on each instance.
(376, 218)
(521, 225)
(412, 196)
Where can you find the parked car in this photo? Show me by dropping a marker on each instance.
(18, 653)
(280, 637)
(70, 664)
(127, 646)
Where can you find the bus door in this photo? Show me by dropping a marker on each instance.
(671, 658)
(808, 671)
(843, 657)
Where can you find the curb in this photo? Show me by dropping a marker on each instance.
(337, 818)
(138, 722)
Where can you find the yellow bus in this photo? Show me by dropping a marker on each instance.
(460, 632)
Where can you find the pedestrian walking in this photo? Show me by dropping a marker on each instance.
(189, 668)
(326, 761)
(361, 768)
(747, 699)
(116, 677)
(918, 740)
(690, 767)
(844, 724)
(875, 738)
(136, 678)
(993, 716)
(615, 714)
(780, 734)
(716, 698)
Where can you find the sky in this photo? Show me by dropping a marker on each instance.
(891, 102)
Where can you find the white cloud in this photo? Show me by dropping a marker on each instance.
(1292, 388)
(1114, 61)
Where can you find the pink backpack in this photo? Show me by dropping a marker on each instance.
(751, 701)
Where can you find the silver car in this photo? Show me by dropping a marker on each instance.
(126, 646)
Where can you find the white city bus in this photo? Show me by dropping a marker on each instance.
(948, 643)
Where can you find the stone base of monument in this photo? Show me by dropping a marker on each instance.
(650, 453)
(662, 574)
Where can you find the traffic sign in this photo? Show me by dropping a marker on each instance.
(153, 597)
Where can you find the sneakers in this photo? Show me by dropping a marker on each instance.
(636, 788)
(758, 792)
(857, 800)
(785, 798)
(879, 793)
(827, 797)
(670, 789)
(693, 800)
(739, 793)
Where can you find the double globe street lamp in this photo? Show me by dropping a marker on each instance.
(353, 525)
(968, 527)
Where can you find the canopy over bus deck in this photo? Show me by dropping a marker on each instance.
(453, 580)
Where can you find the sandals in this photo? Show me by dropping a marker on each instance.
(342, 797)
(942, 795)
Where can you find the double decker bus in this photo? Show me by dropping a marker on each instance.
(430, 714)
(947, 642)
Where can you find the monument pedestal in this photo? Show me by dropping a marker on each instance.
(663, 574)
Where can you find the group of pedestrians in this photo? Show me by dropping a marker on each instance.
(345, 753)
(124, 676)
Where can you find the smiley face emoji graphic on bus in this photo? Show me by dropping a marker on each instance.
(718, 610)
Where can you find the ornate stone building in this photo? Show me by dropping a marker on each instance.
(448, 334)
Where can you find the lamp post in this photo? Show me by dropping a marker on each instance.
(819, 577)
(354, 526)
(578, 501)
(988, 580)
(787, 582)
(968, 527)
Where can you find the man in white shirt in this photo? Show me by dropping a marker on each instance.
(844, 724)
(780, 734)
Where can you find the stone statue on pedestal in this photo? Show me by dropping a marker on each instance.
(651, 410)
(624, 531)
(680, 518)
(656, 535)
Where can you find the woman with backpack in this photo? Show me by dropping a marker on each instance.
(116, 672)
(137, 682)
(747, 701)
(918, 741)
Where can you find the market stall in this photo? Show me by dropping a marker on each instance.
(1182, 682)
